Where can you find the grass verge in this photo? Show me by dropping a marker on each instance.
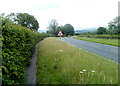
(113, 42)
(61, 63)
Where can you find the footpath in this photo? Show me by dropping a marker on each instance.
(32, 69)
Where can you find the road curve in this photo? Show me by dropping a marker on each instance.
(110, 52)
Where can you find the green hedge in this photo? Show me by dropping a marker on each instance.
(105, 36)
(17, 49)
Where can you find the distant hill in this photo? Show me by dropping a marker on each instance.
(84, 31)
(42, 31)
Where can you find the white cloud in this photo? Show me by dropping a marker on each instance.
(79, 13)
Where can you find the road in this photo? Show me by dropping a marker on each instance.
(110, 52)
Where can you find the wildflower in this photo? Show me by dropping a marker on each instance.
(61, 50)
(81, 72)
(56, 59)
(84, 70)
(110, 81)
(92, 71)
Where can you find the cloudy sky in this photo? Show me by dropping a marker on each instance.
(81, 14)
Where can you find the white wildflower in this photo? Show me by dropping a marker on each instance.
(110, 81)
(61, 50)
(84, 70)
(81, 72)
(56, 59)
(92, 71)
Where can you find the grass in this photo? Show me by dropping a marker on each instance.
(61, 63)
(113, 42)
(1, 42)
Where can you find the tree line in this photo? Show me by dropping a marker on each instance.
(29, 21)
(53, 28)
(23, 19)
(113, 28)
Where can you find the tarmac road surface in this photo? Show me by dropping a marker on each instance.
(108, 51)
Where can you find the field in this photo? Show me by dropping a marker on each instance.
(113, 42)
(61, 63)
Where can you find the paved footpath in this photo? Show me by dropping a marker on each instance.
(32, 69)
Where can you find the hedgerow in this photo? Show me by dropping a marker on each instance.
(104, 36)
(17, 48)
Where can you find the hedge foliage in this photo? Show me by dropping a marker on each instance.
(104, 36)
(17, 48)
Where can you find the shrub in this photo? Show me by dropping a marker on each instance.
(104, 36)
(17, 48)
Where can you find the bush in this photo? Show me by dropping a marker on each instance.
(77, 34)
(17, 48)
(105, 36)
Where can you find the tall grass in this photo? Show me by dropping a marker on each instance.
(61, 63)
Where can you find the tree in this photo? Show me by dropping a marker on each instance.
(4, 19)
(53, 25)
(54, 28)
(66, 29)
(69, 29)
(101, 30)
(114, 26)
(26, 20)
(62, 29)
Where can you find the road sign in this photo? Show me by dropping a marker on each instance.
(60, 33)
